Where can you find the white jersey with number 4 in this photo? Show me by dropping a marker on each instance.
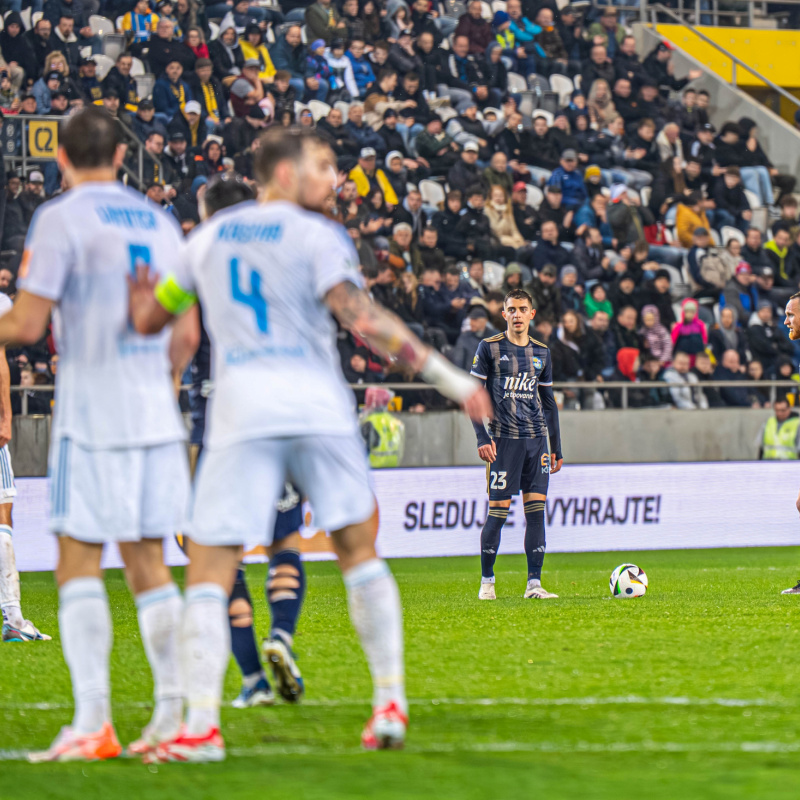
(261, 272)
(114, 388)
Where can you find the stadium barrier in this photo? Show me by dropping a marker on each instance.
(440, 511)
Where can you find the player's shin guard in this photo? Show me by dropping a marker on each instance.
(85, 624)
(160, 613)
(205, 650)
(285, 588)
(378, 619)
(490, 539)
(534, 538)
(9, 580)
(243, 636)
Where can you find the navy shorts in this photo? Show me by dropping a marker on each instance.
(522, 465)
(290, 514)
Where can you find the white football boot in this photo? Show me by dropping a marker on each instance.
(536, 591)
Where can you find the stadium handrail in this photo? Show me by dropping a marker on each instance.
(657, 8)
(25, 158)
(624, 386)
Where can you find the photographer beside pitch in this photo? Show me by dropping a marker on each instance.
(518, 372)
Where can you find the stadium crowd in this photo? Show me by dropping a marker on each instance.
(477, 152)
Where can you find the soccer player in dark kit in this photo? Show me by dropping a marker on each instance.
(519, 378)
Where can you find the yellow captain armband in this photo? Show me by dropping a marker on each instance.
(172, 297)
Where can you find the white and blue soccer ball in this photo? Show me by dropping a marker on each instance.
(628, 580)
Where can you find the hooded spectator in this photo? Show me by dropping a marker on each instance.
(656, 337)
(689, 334)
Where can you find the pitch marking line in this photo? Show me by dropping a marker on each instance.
(473, 701)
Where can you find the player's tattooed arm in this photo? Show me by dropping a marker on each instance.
(5, 399)
(387, 334)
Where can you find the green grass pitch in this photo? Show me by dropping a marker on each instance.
(691, 692)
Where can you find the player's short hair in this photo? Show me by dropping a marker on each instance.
(90, 138)
(518, 294)
(225, 190)
(281, 144)
(795, 296)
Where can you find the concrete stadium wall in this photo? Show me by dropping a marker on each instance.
(441, 439)
(446, 438)
(780, 140)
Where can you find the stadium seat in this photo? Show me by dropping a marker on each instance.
(714, 237)
(486, 11)
(304, 35)
(214, 29)
(729, 232)
(298, 108)
(113, 45)
(343, 107)
(564, 86)
(118, 23)
(26, 17)
(137, 68)
(498, 5)
(36, 16)
(432, 192)
(534, 195)
(493, 274)
(752, 198)
(577, 81)
(516, 83)
(447, 113)
(101, 26)
(145, 84)
(319, 110)
(646, 193)
(296, 15)
(104, 64)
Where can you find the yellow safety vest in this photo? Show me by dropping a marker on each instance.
(780, 444)
(385, 436)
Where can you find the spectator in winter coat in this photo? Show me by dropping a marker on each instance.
(570, 179)
(362, 68)
(785, 267)
(501, 219)
(691, 216)
(624, 329)
(437, 147)
(656, 337)
(730, 202)
(659, 66)
(689, 334)
(548, 250)
(324, 22)
(571, 290)
(740, 294)
(608, 29)
(475, 28)
(685, 391)
(597, 300)
(446, 221)
(467, 343)
(767, 343)
(573, 333)
(589, 257)
(546, 294)
(727, 335)
(288, 54)
(466, 172)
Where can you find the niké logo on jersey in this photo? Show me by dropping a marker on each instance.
(522, 383)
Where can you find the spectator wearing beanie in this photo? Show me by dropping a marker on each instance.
(228, 58)
(689, 334)
(569, 178)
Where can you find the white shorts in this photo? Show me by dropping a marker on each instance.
(237, 486)
(118, 495)
(8, 490)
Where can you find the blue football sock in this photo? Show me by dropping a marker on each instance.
(243, 637)
(534, 538)
(285, 588)
(490, 539)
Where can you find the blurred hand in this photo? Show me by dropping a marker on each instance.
(478, 405)
(555, 463)
(488, 453)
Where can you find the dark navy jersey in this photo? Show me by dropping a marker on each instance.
(513, 375)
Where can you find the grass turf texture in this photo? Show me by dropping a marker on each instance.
(692, 690)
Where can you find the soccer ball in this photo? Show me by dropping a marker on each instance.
(628, 580)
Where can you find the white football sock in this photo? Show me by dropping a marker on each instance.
(9, 580)
(378, 618)
(205, 651)
(85, 624)
(160, 613)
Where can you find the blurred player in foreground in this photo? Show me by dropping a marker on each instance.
(518, 372)
(15, 627)
(286, 580)
(267, 274)
(792, 322)
(118, 466)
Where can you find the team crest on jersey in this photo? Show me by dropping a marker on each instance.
(537, 363)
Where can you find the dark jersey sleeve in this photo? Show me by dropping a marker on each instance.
(550, 407)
